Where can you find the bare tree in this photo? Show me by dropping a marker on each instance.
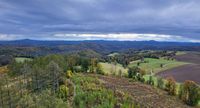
(55, 72)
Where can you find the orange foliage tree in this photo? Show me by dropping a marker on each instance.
(171, 86)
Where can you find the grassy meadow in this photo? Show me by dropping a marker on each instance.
(113, 54)
(154, 65)
(22, 59)
(110, 68)
(181, 53)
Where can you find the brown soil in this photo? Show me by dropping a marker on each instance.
(190, 57)
(145, 95)
(185, 72)
(182, 73)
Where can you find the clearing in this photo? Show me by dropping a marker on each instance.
(111, 68)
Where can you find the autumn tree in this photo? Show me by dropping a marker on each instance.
(190, 93)
(171, 86)
(72, 61)
(69, 74)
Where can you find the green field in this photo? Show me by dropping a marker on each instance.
(181, 53)
(113, 54)
(22, 59)
(153, 65)
(110, 68)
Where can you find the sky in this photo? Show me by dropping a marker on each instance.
(160, 20)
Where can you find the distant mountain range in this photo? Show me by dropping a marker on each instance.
(29, 42)
(37, 47)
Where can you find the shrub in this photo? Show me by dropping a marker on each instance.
(120, 72)
(77, 69)
(99, 69)
(63, 92)
(138, 63)
(161, 83)
(5, 60)
(135, 72)
(141, 74)
(171, 86)
(190, 93)
(142, 79)
(161, 65)
(150, 81)
(69, 74)
(132, 71)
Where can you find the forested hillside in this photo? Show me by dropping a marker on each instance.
(81, 79)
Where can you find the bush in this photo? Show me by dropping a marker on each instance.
(190, 93)
(5, 60)
(63, 92)
(69, 74)
(161, 83)
(139, 77)
(136, 72)
(120, 73)
(150, 81)
(133, 71)
(99, 69)
(171, 86)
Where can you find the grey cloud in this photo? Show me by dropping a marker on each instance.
(31, 17)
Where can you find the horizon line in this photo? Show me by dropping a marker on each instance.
(82, 40)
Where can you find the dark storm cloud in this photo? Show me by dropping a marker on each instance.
(45, 18)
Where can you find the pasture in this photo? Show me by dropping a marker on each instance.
(154, 65)
(22, 59)
(113, 54)
(181, 53)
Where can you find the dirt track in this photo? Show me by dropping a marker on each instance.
(146, 95)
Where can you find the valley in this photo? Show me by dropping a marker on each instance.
(86, 78)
